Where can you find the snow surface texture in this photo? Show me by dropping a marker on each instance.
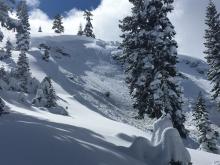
(83, 71)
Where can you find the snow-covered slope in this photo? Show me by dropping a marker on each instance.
(83, 74)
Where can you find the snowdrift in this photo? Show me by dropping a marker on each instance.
(166, 146)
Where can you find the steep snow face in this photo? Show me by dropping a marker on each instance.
(91, 88)
(84, 69)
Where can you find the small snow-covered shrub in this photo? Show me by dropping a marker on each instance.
(166, 144)
(45, 52)
(45, 96)
(159, 127)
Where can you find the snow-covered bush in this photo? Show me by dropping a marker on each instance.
(45, 96)
(166, 146)
(159, 127)
(45, 51)
(9, 80)
(4, 79)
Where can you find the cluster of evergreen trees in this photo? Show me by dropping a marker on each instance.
(150, 54)
(19, 79)
(88, 30)
(208, 137)
(150, 58)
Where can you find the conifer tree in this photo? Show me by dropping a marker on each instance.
(207, 136)
(88, 30)
(80, 32)
(46, 55)
(2, 72)
(8, 47)
(150, 53)
(45, 52)
(23, 30)
(212, 44)
(40, 29)
(5, 20)
(23, 71)
(4, 79)
(58, 24)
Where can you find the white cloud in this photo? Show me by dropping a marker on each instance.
(107, 16)
(188, 19)
(33, 3)
(39, 18)
(105, 21)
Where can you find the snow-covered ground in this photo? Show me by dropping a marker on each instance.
(83, 72)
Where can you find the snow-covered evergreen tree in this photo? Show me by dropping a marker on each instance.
(23, 71)
(23, 31)
(4, 77)
(212, 44)
(46, 95)
(40, 29)
(58, 24)
(8, 48)
(207, 136)
(2, 72)
(137, 58)
(45, 52)
(46, 55)
(80, 32)
(5, 20)
(2, 106)
(150, 53)
(88, 30)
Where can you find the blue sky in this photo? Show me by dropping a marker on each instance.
(53, 7)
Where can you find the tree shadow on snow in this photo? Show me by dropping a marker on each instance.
(26, 140)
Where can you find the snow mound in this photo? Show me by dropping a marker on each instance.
(166, 144)
(173, 148)
(159, 127)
